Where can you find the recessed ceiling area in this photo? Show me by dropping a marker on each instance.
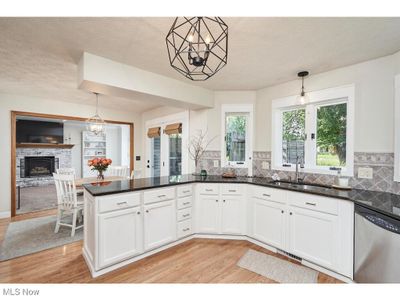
(39, 56)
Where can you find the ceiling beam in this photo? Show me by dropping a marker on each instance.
(105, 76)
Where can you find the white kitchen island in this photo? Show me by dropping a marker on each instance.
(128, 220)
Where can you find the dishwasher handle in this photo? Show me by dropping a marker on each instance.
(378, 219)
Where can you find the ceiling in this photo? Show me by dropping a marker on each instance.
(38, 56)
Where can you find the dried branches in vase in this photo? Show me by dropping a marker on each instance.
(198, 144)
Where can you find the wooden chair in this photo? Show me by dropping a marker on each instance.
(67, 201)
(70, 171)
(122, 171)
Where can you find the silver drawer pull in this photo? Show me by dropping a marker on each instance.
(209, 190)
(267, 195)
(309, 203)
(120, 203)
(186, 229)
(232, 191)
(186, 203)
(160, 196)
(187, 215)
(186, 191)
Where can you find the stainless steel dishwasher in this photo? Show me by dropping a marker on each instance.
(376, 247)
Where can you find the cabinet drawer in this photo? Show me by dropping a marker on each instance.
(116, 202)
(184, 228)
(313, 202)
(184, 202)
(208, 189)
(158, 195)
(265, 193)
(184, 214)
(184, 191)
(233, 189)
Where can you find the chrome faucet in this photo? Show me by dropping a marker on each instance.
(297, 177)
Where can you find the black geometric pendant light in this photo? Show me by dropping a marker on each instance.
(198, 46)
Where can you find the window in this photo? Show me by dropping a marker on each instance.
(293, 135)
(175, 154)
(156, 155)
(331, 135)
(236, 135)
(317, 134)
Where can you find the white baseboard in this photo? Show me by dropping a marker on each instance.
(5, 214)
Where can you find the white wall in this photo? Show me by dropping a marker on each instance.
(374, 92)
(113, 144)
(374, 87)
(125, 147)
(213, 121)
(22, 103)
(74, 131)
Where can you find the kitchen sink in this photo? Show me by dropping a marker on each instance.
(301, 185)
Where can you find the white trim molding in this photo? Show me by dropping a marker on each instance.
(5, 214)
(245, 109)
(397, 128)
(341, 94)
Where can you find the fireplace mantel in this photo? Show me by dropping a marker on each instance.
(43, 145)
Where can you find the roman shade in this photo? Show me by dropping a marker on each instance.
(154, 132)
(173, 128)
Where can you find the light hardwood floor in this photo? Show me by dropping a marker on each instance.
(195, 261)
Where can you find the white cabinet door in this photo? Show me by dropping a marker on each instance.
(159, 224)
(120, 236)
(232, 215)
(314, 236)
(208, 214)
(268, 222)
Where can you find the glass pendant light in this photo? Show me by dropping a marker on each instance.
(96, 124)
(303, 97)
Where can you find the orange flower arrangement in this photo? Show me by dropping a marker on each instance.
(100, 165)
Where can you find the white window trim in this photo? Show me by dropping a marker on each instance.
(182, 117)
(238, 108)
(397, 128)
(330, 95)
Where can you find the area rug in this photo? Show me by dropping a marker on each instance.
(34, 235)
(276, 269)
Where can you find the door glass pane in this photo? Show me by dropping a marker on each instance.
(293, 136)
(235, 138)
(156, 152)
(331, 135)
(175, 154)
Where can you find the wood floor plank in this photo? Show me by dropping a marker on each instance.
(194, 261)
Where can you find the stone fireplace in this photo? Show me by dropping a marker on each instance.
(38, 166)
(35, 166)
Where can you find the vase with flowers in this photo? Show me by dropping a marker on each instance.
(100, 165)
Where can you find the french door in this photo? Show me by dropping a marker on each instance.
(165, 154)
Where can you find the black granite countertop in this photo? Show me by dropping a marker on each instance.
(386, 203)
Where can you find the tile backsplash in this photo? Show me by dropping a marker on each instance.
(381, 163)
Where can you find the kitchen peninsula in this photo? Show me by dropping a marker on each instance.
(132, 219)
